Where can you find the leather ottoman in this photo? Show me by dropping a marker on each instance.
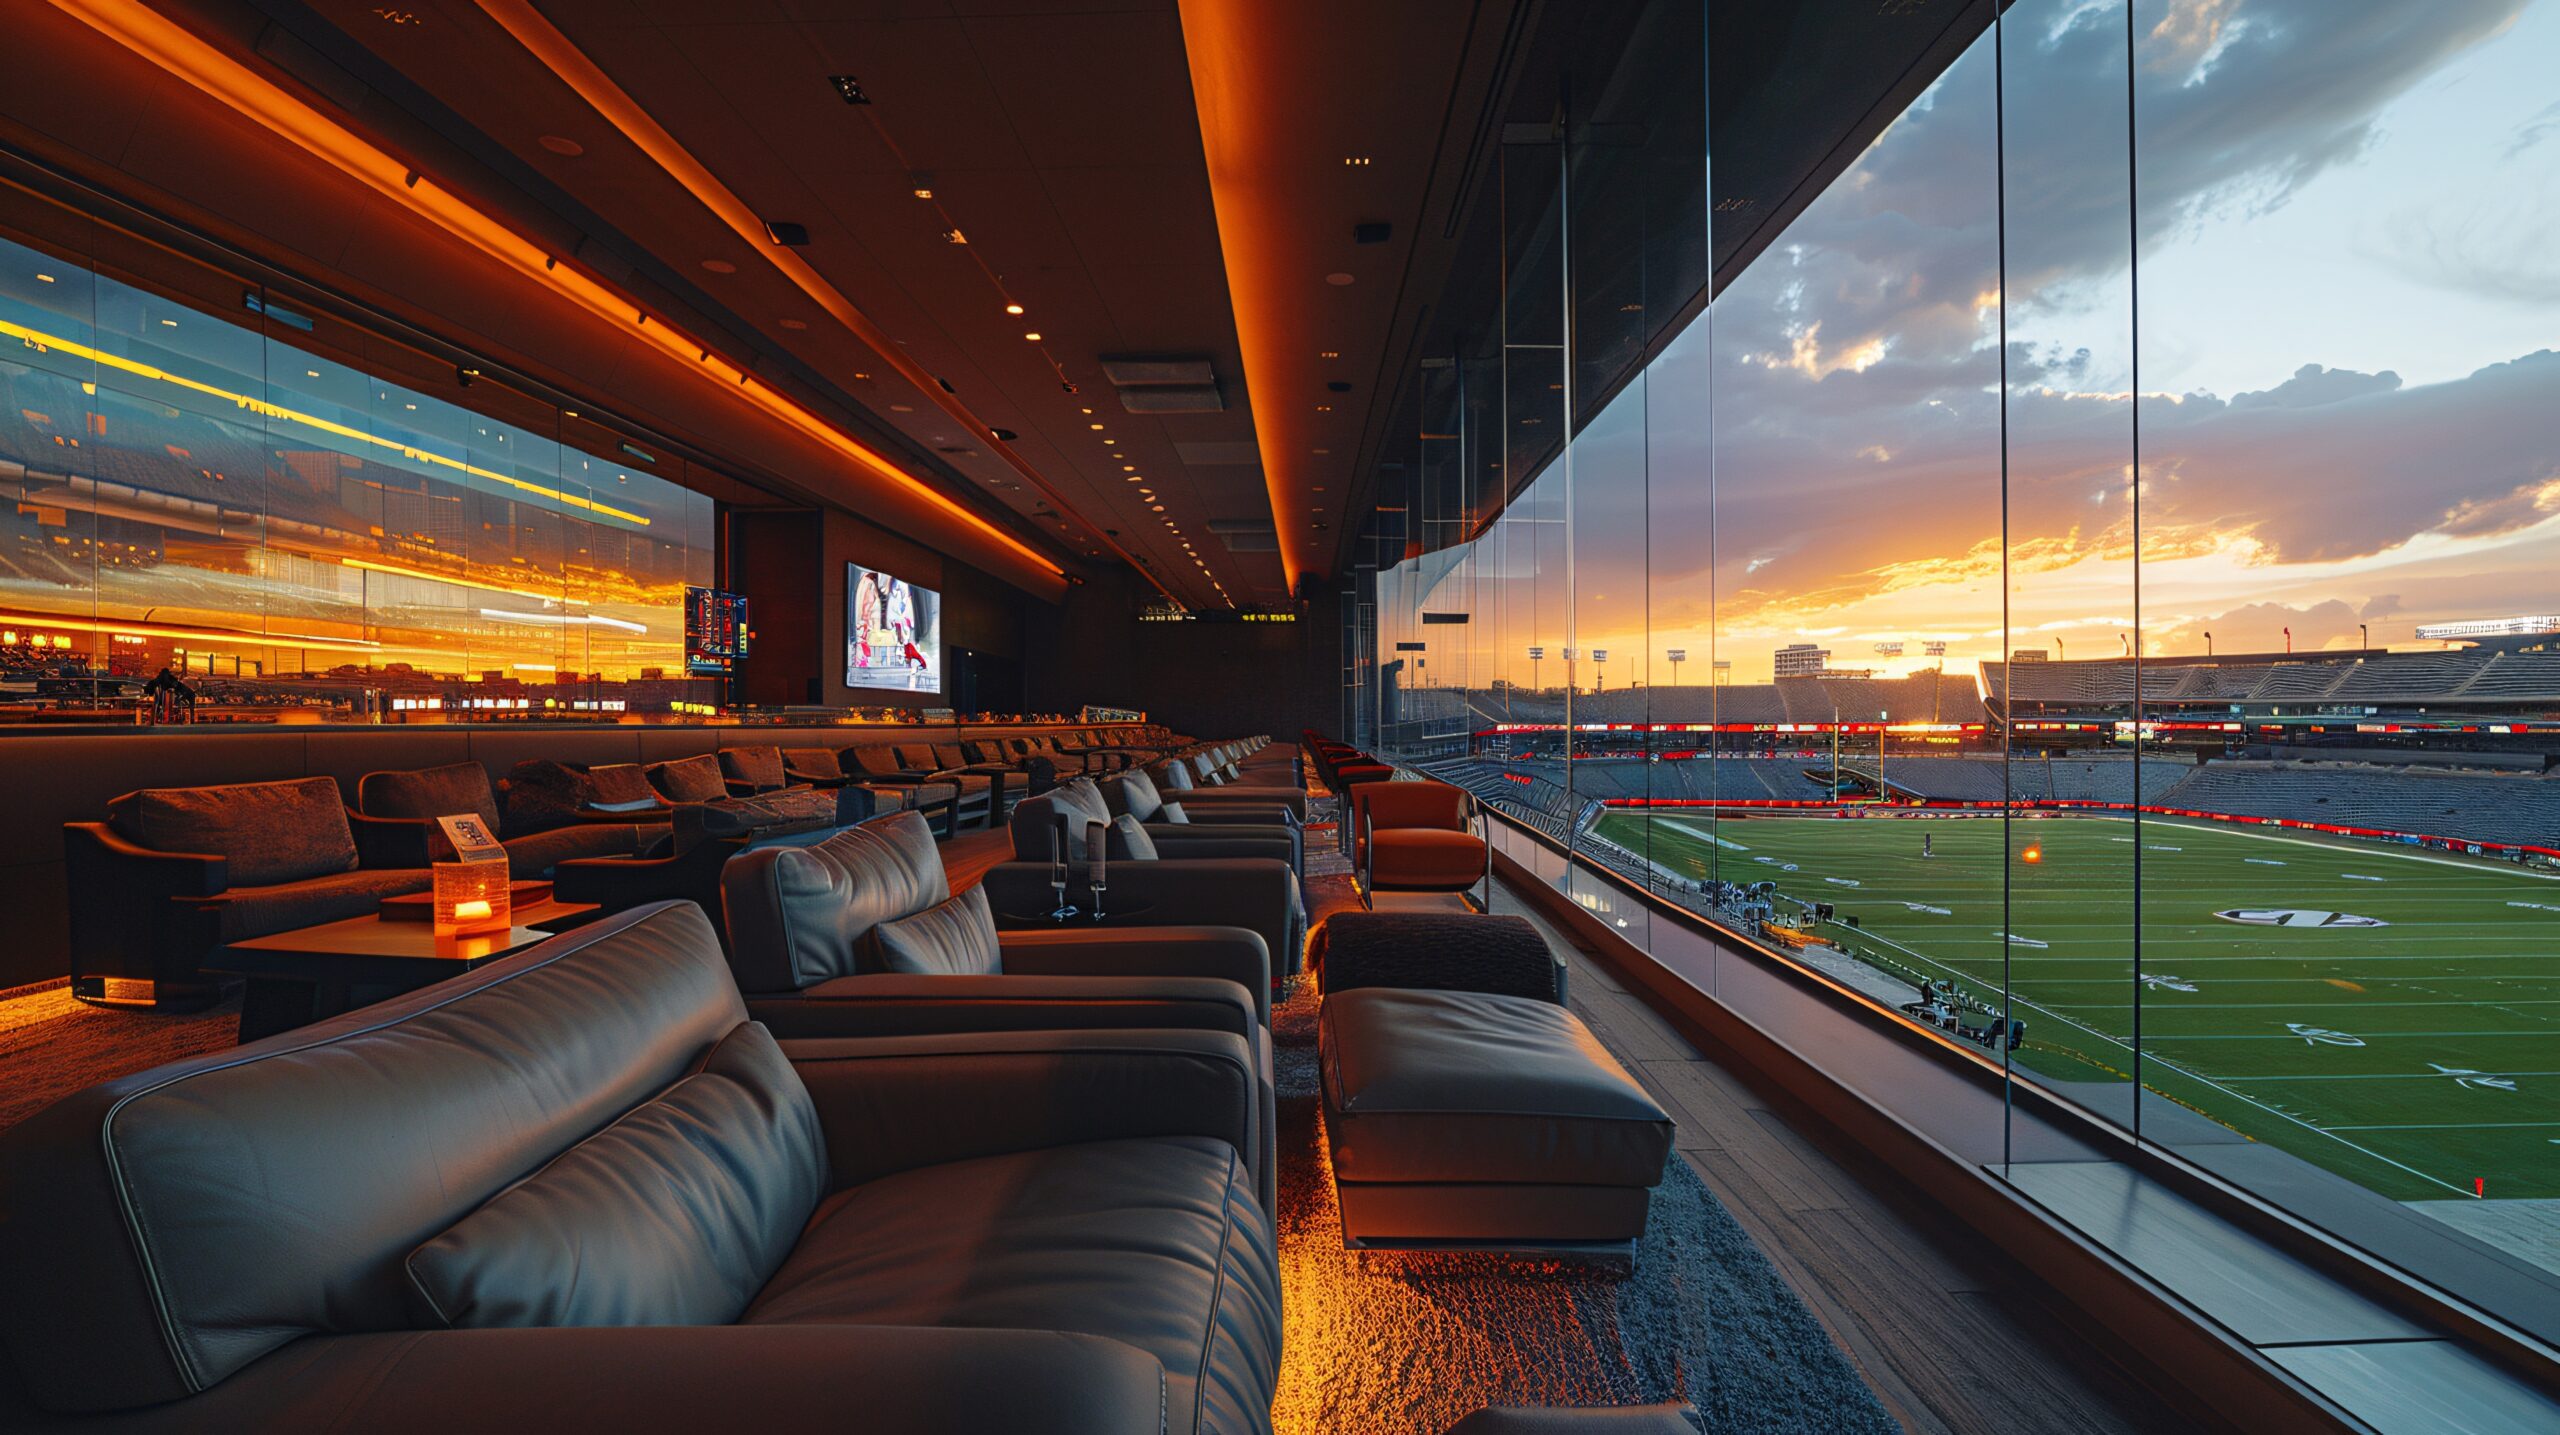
(1476, 1118)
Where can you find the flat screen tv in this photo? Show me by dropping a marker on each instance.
(893, 632)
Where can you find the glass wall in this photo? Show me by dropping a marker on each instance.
(2066, 568)
(302, 523)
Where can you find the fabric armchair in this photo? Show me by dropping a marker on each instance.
(1419, 837)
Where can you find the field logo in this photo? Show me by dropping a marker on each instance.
(2157, 981)
(2322, 1036)
(2535, 906)
(2476, 1080)
(2296, 917)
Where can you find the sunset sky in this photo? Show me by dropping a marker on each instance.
(2349, 360)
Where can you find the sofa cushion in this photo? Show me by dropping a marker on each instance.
(948, 755)
(1158, 1243)
(759, 767)
(542, 794)
(918, 755)
(272, 832)
(811, 762)
(676, 1214)
(535, 853)
(1452, 1086)
(956, 938)
(618, 785)
(446, 791)
(247, 912)
(690, 779)
(1425, 856)
(1129, 840)
(799, 916)
(788, 808)
(875, 760)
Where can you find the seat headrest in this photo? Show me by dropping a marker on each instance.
(800, 915)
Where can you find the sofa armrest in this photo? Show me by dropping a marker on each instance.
(892, 1104)
(140, 870)
(905, 1380)
(1187, 841)
(1233, 955)
(389, 842)
(899, 1004)
(1259, 894)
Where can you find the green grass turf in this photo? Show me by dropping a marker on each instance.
(2463, 977)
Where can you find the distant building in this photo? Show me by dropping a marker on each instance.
(2030, 655)
(1803, 660)
(2490, 628)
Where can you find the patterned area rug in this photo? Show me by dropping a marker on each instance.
(52, 1045)
(1393, 1342)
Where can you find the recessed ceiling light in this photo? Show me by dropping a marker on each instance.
(1355, 161)
(850, 88)
(902, 408)
(1155, 508)
(1033, 336)
(1133, 478)
(954, 236)
(922, 192)
(1330, 354)
(1323, 452)
(1324, 408)
(1337, 279)
(1016, 309)
(1128, 468)
(719, 266)
(563, 145)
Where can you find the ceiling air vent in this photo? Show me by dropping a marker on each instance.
(1246, 535)
(1164, 384)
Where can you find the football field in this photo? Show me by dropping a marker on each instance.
(2391, 1014)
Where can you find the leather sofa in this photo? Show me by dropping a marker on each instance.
(416, 798)
(1178, 779)
(1464, 1105)
(861, 935)
(705, 835)
(1135, 793)
(880, 763)
(579, 1189)
(176, 872)
(825, 769)
(1065, 812)
(1203, 887)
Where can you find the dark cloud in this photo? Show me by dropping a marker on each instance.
(2312, 386)
(2380, 605)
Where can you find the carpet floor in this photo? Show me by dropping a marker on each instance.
(1393, 1342)
(52, 1045)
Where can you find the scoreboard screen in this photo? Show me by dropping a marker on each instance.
(715, 632)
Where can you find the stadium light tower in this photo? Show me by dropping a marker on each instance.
(2364, 636)
(1537, 653)
(1677, 657)
(2208, 645)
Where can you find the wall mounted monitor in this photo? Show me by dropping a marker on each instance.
(893, 632)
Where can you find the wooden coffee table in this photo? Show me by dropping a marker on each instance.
(298, 977)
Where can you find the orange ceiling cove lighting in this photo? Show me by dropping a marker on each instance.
(181, 53)
(559, 54)
(1245, 125)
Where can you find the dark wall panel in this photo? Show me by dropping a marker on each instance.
(1206, 679)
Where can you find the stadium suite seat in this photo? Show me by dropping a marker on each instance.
(819, 1223)
(860, 935)
(536, 837)
(1418, 837)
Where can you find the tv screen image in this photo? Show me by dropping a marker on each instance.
(893, 632)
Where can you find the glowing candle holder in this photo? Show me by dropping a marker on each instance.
(472, 896)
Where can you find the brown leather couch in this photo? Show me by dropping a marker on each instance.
(416, 798)
(1179, 780)
(176, 872)
(579, 1189)
(861, 935)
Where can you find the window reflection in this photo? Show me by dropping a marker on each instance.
(304, 541)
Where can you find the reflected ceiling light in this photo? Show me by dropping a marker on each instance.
(44, 279)
(598, 620)
(1033, 336)
(182, 54)
(1016, 309)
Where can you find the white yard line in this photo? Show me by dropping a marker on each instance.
(2193, 1076)
(2458, 1126)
